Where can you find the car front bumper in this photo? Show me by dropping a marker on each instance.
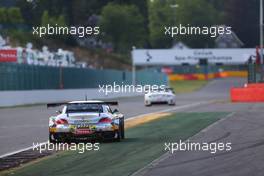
(59, 136)
(159, 100)
(95, 131)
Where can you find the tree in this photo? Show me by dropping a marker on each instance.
(32, 12)
(243, 17)
(160, 15)
(197, 13)
(188, 13)
(218, 5)
(123, 25)
(3, 16)
(45, 18)
(61, 21)
(79, 11)
(14, 15)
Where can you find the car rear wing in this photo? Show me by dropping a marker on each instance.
(113, 103)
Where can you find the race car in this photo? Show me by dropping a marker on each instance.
(86, 120)
(158, 96)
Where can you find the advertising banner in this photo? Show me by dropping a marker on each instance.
(191, 56)
(8, 55)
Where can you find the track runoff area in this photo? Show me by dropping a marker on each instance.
(152, 141)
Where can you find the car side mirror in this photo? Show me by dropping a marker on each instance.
(115, 111)
(58, 112)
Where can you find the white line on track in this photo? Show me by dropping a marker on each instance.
(130, 118)
(217, 122)
(22, 150)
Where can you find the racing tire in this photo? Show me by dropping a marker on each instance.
(56, 140)
(53, 141)
(171, 103)
(148, 104)
(118, 138)
(122, 128)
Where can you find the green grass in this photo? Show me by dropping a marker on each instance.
(142, 145)
(187, 86)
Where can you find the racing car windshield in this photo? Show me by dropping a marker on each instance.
(82, 107)
(162, 90)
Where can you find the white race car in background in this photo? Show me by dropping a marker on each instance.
(157, 96)
(83, 120)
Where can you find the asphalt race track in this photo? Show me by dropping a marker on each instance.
(243, 128)
(21, 126)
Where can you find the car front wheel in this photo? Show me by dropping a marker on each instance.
(148, 103)
(171, 103)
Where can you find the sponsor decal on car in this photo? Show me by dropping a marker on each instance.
(52, 129)
(83, 131)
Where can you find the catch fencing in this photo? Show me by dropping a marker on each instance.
(29, 77)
